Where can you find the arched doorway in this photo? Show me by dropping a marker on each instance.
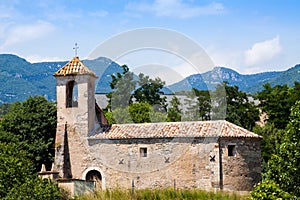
(94, 175)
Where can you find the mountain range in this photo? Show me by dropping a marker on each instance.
(249, 83)
(20, 79)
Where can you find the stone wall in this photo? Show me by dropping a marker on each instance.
(192, 162)
(187, 160)
(242, 170)
(74, 123)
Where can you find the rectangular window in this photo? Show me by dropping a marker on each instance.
(143, 152)
(231, 150)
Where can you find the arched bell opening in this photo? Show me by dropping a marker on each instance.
(71, 94)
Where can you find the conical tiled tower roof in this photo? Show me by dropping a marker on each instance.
(74, 67)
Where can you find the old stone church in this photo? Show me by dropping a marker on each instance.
(197, 154)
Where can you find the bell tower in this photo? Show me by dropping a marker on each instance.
(75, 94)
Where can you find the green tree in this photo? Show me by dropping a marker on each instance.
(4, 108)
(121, 115)
(283, 167)
(239, 110)
(135, 113)
(127, 104)
(203, 104)
(219, 104)
(272, 138)
(144, 113)
(157, 116)
(32, 124)
(191, 113)
(18, 179)
(122, 86)
(14, 166)
(276, 102)
(149, 91)
(295, 92)
(174, 112)
(198, 104)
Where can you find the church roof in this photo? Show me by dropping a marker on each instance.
(220, 128)
(74, 67)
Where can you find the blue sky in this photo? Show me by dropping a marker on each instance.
(248, 36)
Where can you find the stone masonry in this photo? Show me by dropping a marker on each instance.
(203, 154)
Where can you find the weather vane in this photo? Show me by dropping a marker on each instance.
(76, 48)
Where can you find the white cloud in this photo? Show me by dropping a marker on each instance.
(262, 51)
(176, 8)
(24, 33)
(38, 58)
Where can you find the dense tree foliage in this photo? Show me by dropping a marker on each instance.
(134, 100)
(18, 179)
(4, 108)
(190, 103)
(122, 86)
(149, 91)
(272, 138)
(203, 106)
(35, 188)
(144, 112)
(283, 167)
(127, 91)
(269, 190)
(198, 104)
(239, 109)
(27, 132)
(135, 113)
(31, 124)
(277, 101)
(14, 166)
(174, 112)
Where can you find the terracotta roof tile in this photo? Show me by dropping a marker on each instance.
(219, 128)
(74, 67)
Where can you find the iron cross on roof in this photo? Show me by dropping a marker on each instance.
(75, 49)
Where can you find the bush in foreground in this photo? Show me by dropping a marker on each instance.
(269, 190)
(18, 179)
(35, 188)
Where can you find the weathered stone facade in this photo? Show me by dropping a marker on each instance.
(243, 170)
(206, 155)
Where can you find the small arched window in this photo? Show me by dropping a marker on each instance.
(71, 94)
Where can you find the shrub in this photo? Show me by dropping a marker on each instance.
(35, 188)
(269, 190)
